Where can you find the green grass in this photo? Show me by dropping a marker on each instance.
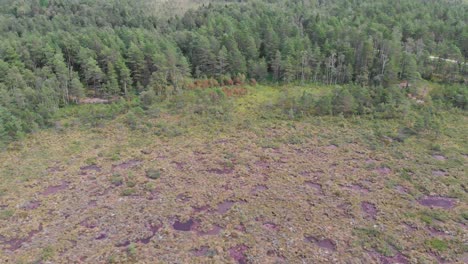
(437, 244)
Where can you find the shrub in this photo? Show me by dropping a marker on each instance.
(153, 174)
(128, 192)
(132, 251)
(324, 105)
(116, 180)
(451, 96)
(343, 102)
(437, 244)
(148, 98)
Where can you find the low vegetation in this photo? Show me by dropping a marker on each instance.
(262, 176)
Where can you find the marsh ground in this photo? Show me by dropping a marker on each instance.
(251, 189)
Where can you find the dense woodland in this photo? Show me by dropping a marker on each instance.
(54, 52)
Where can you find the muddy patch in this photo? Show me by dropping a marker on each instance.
(436, 232)
(183, 226)
(332, 147)
(357, 188)
(55, 189)
(224, 170)
(383, 170)
(439, 173)
(88, 223)
(240, 228)
(238, 253)
(153, 229)
(214, 231)
(437, 201)
(315, 186)
(369, 209)
(94, 168)
(16, 243)
(258, 189)
(200, 209)
(31, 205)
(183, 198)
(224, 207)
(124, 243)
(146, 151)
(262, 164)
(397, 258)
(203, 251)
(439, 157)
(270, 226)
(401, 189)
(325, 243)
(346, 209)
(126, 165)
(409, 227)
(101, 236)
(92, 203)
(179, 165)
(54, 169)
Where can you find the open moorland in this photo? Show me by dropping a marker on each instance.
(247, 183)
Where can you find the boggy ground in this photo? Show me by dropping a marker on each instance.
(251, 190)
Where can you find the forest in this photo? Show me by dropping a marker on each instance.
(54, 53)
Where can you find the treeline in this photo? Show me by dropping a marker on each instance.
(54, 52)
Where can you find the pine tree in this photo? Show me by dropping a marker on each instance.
(93, 74)
(136, 60)
(61, 71)
(76, 89)
(276, 66)
(112, 85)
(222, 61)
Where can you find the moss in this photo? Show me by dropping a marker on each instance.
(149, 186)
(464, 215)
(116, 180)
(128, 192)
(6, 214)
(437, 244)
(153, 174)
(131, 184)
(48, 253)
(132, 251)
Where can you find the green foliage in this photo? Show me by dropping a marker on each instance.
(128, 192)
(132, 251)
(437, 244)
(6, 214)
(347, 100)
(153, 174)
(453, 96)
(116, 179)
(48, 253)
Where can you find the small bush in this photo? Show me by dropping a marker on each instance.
(149, 186)
(48, 253)
(153, 174)
(6, 214)
(128, 192)
(437, 244)
(116, 180)
(132, 251)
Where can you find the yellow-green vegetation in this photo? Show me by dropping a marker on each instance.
(262, 178)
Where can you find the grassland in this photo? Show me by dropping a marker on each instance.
(239, 183)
